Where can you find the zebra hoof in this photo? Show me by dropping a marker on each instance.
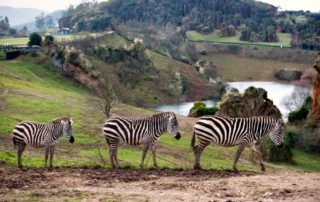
(197, 167)
(263, 168)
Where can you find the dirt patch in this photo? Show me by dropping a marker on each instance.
(156, 185)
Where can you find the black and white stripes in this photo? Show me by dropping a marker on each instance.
(41, 135)
(139, 131)
(235, 131)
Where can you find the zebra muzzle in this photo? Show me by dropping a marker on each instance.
(178, 136)
(71, 140)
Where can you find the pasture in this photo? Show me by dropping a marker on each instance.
(284, 39)
(58, 38)
(82, 170)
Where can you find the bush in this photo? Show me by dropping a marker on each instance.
(200, 109)
(302, 113)
(34, 39)
(271, 153)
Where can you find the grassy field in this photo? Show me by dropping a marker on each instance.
(38, 94)
(239, 68)
(284, 39)
(24, 40)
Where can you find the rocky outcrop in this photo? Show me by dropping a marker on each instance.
(253, 102)
(288, 75)
(315, 110)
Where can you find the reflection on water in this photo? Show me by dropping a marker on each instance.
(276, 92)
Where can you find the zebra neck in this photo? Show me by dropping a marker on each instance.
(261, 126)
(57, 131)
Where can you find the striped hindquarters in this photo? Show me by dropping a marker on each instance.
(219, 130)
(29, 133)
(120, 129)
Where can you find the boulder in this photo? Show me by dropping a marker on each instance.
(253, 102)
(315, 110)
(288, 75)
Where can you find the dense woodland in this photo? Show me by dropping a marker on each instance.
(256, 21)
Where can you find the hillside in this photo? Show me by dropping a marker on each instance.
(32, 92)
(19, 16)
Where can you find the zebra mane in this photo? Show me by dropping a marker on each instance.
(58, 120)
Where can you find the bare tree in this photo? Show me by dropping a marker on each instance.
(295, 100)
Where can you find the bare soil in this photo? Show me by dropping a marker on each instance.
(101, 184)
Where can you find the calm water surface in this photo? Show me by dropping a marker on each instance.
(276, 92)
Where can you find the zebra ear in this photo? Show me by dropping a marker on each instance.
(71, 121)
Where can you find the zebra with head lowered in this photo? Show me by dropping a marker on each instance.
(139, 131)
(41, 135)
(235, 131)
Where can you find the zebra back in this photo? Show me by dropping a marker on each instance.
(232, 131)
(38, 134)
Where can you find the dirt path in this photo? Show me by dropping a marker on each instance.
(99, 184)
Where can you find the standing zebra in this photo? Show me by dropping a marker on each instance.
(235, 131)
(139, 131)
(41, 135)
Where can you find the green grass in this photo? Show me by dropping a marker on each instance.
(238, 68)
(284, 39)
(38, 94)
(24, 40)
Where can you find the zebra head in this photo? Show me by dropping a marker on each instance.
(67, 128)
(173, 126)
(276, 134)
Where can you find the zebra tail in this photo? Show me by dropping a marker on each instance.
(193, 140)
(14, 143)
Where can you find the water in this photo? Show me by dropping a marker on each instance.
(183, 108)
(276, 93)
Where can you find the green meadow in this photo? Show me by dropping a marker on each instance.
(33, 92)
(284, 39)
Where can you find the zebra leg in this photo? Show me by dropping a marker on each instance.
(253, 148)
(154, 155)
(144, 153)
(239, 151)
(46, 156)
(197, 153)
(52, 148)
(20, 151)
(116, 156)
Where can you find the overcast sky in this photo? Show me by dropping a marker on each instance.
(51, 5)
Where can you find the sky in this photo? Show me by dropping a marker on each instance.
(51, 5)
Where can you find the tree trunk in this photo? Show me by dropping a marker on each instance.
(315, 111)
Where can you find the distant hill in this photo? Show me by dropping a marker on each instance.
(19, 16)
(31, 25)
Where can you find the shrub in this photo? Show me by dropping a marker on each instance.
(34, 39)
(200, 109)
(271, 153)
(302, 113)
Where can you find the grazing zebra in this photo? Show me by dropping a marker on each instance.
(41, 135)
(235, 131)
(139, 131)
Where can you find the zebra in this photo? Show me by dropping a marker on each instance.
(139, 131)
(235, 131)
(41, 135)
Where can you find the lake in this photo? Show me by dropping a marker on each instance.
(276, 92)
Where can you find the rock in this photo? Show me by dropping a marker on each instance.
(315, 110)
(253, 102)
(288, 75)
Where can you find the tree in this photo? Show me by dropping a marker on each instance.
(34, 39)
(24, 30)
(40, 22)
(315, 110)
(49, 21)
(12, 31)
(296, 99)
(48, 40)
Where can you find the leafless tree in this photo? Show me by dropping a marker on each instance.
(295, 100)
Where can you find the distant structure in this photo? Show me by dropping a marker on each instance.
(64, 30)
